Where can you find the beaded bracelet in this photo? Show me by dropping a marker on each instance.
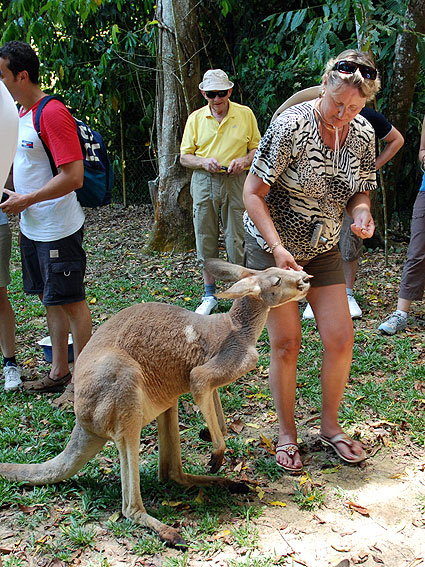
(273, 246)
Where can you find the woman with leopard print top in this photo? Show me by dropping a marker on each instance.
(315, 160)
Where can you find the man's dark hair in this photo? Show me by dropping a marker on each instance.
(21, 57)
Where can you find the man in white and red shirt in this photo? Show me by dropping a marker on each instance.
(51, 218)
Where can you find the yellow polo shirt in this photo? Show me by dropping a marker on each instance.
(235, 136)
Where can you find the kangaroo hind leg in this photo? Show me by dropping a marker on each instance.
(132, 505)
(170, 463)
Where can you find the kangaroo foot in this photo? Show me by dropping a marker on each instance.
(169, 535)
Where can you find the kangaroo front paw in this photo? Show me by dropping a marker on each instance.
(205, 434)
(237, 487)
(216, 461)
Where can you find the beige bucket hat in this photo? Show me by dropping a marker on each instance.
(215, 80)
(300, 96)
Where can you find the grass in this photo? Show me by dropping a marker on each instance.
(386, 385)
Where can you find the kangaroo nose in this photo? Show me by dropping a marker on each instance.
(303, 282)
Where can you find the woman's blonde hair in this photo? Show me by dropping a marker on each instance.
(335, 80)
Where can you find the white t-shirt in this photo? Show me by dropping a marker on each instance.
(56, 218)
(8, 138)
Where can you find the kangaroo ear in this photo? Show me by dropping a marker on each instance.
(246, 286)
(227, 272)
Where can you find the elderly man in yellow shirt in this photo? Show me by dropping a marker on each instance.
(219, 143)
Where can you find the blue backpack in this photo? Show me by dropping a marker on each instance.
(98, 173)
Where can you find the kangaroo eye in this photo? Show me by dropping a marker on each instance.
(277, 282)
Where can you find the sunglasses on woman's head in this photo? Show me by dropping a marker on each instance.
(349, 68)
(213, 94)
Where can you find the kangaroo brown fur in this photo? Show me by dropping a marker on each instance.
(137, 364)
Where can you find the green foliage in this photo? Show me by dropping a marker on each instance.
(100, 55)
(307, 496)
(78, 535)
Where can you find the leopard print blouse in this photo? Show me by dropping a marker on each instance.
(306, 187)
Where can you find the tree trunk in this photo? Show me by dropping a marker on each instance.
(404, 78)
(178, 76)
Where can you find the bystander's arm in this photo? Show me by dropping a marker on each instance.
(393, 142)
(422, 146)
(196, 162)
(255, 191)
(70, 177)
(358, 207)
(239, 164)
(9, 180)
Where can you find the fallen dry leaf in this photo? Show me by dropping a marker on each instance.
(340, 549)
(357, 508)
(266, 440)
(222, 534)
(114, 517)
(399, 475)
(237, 426)
(6, 549)
(300, 561)
(253, 425)
(361, 558)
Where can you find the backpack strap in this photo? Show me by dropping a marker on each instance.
(40, 107)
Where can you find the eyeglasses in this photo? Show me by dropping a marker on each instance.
(349, 68)
(213, 94)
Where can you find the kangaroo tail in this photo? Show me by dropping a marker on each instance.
(82, 447)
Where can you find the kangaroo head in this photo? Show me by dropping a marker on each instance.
(273, 286)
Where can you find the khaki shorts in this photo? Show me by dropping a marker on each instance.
(5, 250)
(218, 195)
(350, 245)
(326, 267)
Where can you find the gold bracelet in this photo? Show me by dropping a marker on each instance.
(273, 246)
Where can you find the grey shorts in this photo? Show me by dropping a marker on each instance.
(54, 270)
(5, 250)
(350, 245)
(326, 267)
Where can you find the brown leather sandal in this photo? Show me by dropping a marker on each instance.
(66, 400)
(47, 384)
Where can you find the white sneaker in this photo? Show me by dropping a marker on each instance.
(354, 308)
(209, 303)
(393, 323)
(308, 312)
(12, 378)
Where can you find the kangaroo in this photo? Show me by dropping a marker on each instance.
(138, 363)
